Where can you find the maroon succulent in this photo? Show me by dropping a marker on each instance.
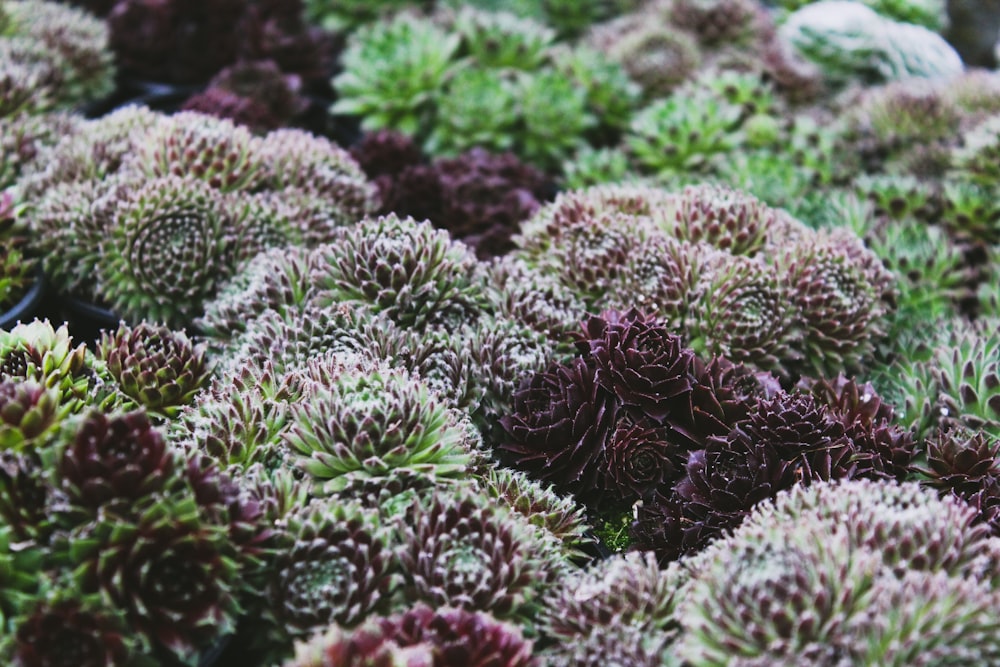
(883, 449)
(421, 636)
(962, 461)
(560, 425)
(640, 459)
(69, 632)
(642, 363)
(386, 153)
(119, 458)
(25, 494)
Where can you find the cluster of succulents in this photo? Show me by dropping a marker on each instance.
(51, 56)
(479, 197)
(454, 80)
(148, 214)
(728, 398)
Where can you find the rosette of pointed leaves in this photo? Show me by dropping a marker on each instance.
(420, 635)
(537, 300)
(728, 219)
(560, 425)
(337, 568)
(413, 273)
(24, 137)
(290, 339)
(501, 40)
(966, 371)
(168, 250)
(656, 56)
(623, 590)
(970, 212)
(69, 628)
(198, 146)
(741, 310)
(840, 291)
(716, 21)
(899, 197)
(554, 117)
(391, 70)
(171, 573)
(28, 412)
(777, 596)
(901, 114)
(119, 460)
(92, 151)
(642, 363)
(70, 222)
(276, 279)
(976, 158)
(539, 504)
(683, 133)
(659, 277)
(238, 421)
(161, 369)
(374, 424)
(459, 548)
(908, 527)
(612, 95)
(70, 41)
(929, 618)
(296, 159)
(884, 449)
(477, 108)
(961, 460)
(626, 645)
(27, 497)
(40, 353)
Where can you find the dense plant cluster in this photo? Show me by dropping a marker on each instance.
(633, 333)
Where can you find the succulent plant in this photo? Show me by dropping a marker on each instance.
(458, 548)
(20, 566)
(727, 219)
(965, 371)
(780, 597)
(171, 573)
(975, 158)
(539, 504)
(961, 460)
(682, 133)
(28, 413)
(884, 449)
(239, 421)
(848, 40)
(740, 310)
(169, 248)
(412, 58)
(338, 568)
(67, 628)
(478, 107)
(27, 498)
(500, 40)
(900, 114)
(25, 80)
(841, 292)
(441, 637)
(612, 95)
(623, 590)
(70, 42)
(935, 618)
(589, 167)
(38, 352)
(89, 150)
(970, 212)
(408, 270)
(197, 146)
(116, 461)
(627, 645)
(554, 117)
(296, 159)
(25, 136)
(537, 300)
(716, 21)
(656, 56)
(159, 368)
(275, 280)
(560, 425)
(375, 424)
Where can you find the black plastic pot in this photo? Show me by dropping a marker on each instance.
(25, 309)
